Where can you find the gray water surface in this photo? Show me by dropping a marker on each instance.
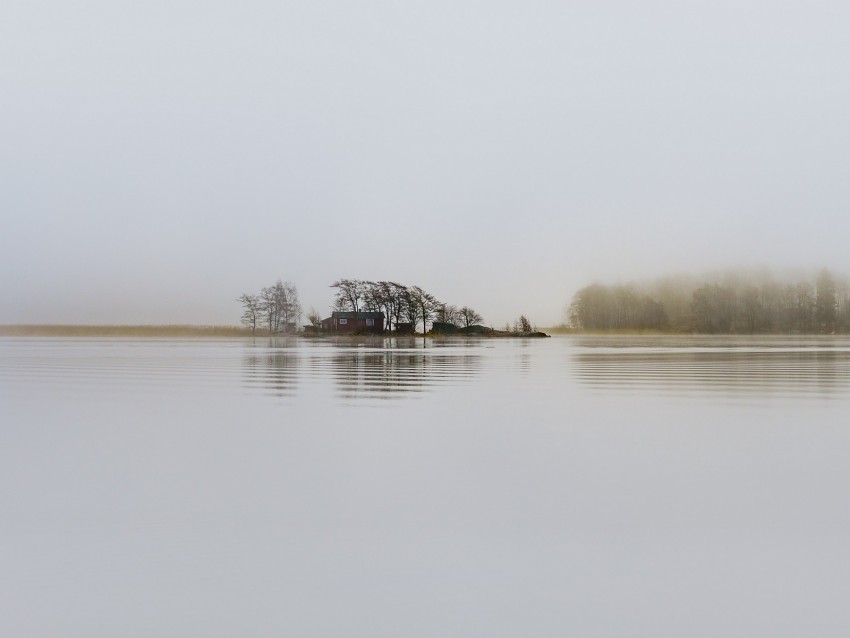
(573, 486)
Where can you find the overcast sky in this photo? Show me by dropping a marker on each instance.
(160, 158)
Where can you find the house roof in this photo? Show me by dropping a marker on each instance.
(357, 315)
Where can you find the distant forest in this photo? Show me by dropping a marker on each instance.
(721, 304)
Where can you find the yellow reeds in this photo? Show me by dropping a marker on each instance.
(71, 330)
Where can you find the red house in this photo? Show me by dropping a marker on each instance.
(354, 322)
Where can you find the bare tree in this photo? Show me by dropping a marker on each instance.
(349, 294)
(373, 299)
(279, 306)
(469, 317)
(399, 303)
(288, 303)
(447, 313)
(386, 297)
(396, 295)
(410, 307)
(268, 308)
(425, 304)
(389, 297)
(314, 318)
(250, 311)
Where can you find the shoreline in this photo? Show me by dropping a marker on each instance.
(92, 330)
(212, 331)
(188, 330)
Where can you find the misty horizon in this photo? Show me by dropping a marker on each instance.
(160, 160)
(727, 276)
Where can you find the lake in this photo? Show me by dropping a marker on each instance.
(572, 486)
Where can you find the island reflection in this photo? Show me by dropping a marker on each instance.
(389, 368)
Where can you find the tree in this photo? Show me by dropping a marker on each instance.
(393, 295)
(447, 313)
(804, 306)
(652, 315)
(750, 302)
(469, 317)
(590, 308)
(775, 304)
(278, 306)
(418, 305)
(286, 295)
(714, 309)
(397, 302)
(409, 307)
(314, 318)
(750, 310)
(372, 297)
(268, 308)
(826, 304)
(425, 303)
(523, 324)
(250, 311)
(386, 297)
(842, 313)
(349, 294)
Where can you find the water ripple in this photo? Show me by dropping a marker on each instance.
(726, 371)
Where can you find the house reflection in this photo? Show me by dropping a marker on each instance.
(375, 368)
(391, 374)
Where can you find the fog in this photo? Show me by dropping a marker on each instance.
(161, 158)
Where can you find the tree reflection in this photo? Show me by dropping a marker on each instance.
(374, 368)
(274, 371)
(393, 373)
(768, 372)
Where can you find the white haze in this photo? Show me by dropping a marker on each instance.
(161, 158)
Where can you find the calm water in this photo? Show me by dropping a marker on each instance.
(559, 487)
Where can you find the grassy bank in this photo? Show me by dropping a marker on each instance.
(63, 330)
(615, 331)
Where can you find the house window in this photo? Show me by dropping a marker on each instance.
(370, 322)
(343, 322)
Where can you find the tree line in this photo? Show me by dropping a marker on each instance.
(399, 303)
(275, 308)
(730, 303)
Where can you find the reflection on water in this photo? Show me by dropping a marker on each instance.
(276, 371)
(382, 369)
(765, 366)
(176, 486)
(407, 367)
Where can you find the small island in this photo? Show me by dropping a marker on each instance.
(362, 307)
